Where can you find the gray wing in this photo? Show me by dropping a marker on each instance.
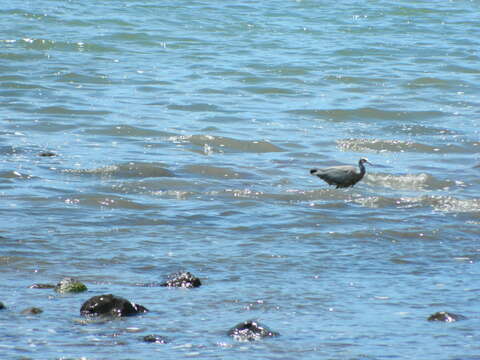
(337, 175)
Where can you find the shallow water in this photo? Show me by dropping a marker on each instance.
(184, 135)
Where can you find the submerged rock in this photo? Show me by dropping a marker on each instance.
(32, 311)
(42, 286)
(182, 279)
(70, 285)
(250, 330)
(47, 154)
(445, 317)
(155, 339)
(2, 306)
(110, 305)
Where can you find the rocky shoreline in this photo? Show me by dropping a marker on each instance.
(107, 306)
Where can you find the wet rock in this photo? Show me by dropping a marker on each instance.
(445, 317)
(70, 285)
(110, 305)
(32, 311)
(42, 286)
(182, 279)
(250, 330)
(47, 154)
(2, 306)
(155, 339)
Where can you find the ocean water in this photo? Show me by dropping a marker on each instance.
(184, 133)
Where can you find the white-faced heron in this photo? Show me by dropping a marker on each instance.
(341, 176)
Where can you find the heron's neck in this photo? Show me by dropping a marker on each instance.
(362, 168)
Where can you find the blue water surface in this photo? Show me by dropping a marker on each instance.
(182, 137)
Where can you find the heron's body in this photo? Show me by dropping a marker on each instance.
(341, 176)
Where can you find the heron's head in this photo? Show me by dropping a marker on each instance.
(363, 161)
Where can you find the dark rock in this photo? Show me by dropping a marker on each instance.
(2, 306)
(47, 154)
(70, 285)
(445, 317)
(155, 339)
(182, 279)
(32, 311)
(250, 330)
(110, 305)
(42, 286)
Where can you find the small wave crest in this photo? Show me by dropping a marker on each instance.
(419, 129)
(208, 144)
(366, 113)
(379, 146)
(451, 204)
(111, 202)
(42, 44)
(408, 182)
(447, 204)
(129, 170)
(434, 82)
(217, 172)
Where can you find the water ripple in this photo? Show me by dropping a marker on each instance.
(378, 145)
(409, 181)
(125, 171)
(208, 143)
(367, 114)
